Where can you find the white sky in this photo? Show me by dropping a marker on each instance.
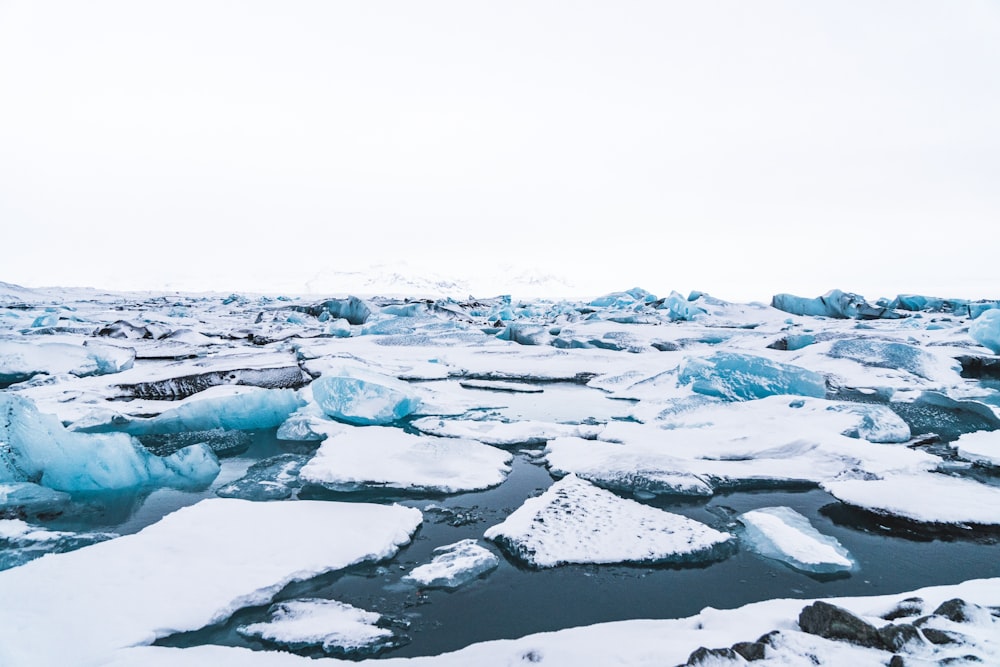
(740, 148)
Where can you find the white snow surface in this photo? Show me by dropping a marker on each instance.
(654, 643)
(576, 522)
(193, 568)
(319, 622)
(926, 498)
(385, 457)
(980, 447)
(499, 433)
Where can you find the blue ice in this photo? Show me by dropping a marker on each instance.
(37, 448)
(834, 303)
(885, 354)
(985, 330)
(359, 397)
(742, 377)
(249, 409)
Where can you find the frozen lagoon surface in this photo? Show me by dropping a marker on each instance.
(874, 423)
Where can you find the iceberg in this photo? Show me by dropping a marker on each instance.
(338, 628)
(227, 407)
(380, 457)
(24, 499)
(576, 522)
(680, 309)
(834, 303)
(35, 447)
(352, 309)
(454, 565)
(898, 356)
(985, 330)
(20, 361)
(357, 396)
(741, 377)
(783, 534)
(924, 498)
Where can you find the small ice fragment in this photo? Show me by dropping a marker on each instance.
(783, 534)
(454, 565)
(361, 397)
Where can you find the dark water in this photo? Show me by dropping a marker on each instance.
(513, 600)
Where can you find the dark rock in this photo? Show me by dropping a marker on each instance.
(832, 622)
(956, 610)
(905, 608)
(896, 661)
(666, 346)
(935, 636)
(980, 368)
(708, 656)
(750, 650)
(770, 639)
(895, 637)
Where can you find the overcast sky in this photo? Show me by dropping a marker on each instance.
(741, 148)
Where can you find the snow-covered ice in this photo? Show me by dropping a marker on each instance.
(337, 627)
(576, 522)
(195, 567)
(783, 534)
(985, 330)
(980, 447)
(380, 457)
(454, 565)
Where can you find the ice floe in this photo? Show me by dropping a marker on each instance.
(357, 396)
(454, 565)
(194, 567)
(381, 457)
(576, 522)
(783, 534)
(980, 447)
(927, 498)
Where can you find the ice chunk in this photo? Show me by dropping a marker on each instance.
(179, 574)
(352, 309)
(981, 447)
(358, 396)
(934, 412)
(985, 330)
(226, 407)
(384, 457)
(337, 627)
(926, 498)
(834, 303)
(783, 534)
(454, 565)
(525, 334)
(21, 542)
(679, 308)
(27, 499)
(878, 423)
(222, 442)
(176, 388)
(20, 361)
(899, 356)
(504, 434)
(36, 447)
(576, 522)
(308, 424)
(275, 478)
(741, 377)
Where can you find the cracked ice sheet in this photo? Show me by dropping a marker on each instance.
(801, 444)
(78, 608)
(646, 643)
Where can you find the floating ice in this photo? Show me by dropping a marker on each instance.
(227, 407)
(20, 361)
(985, 330)
(454, 565)
(358, 396)
(981, 447)
(926, 498)
(899, 356)
(783, 534)
(576, 522)
(337, 627)
(834, 303)
(741, 377)
(27, 499)
(383, 457)
(175, 388)
(877, 423)
(352, 309)
(308, 423)
(503, 434)
(275, 478)
(36, 447)
(21, 542)
(794, 440)
(193, 568)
